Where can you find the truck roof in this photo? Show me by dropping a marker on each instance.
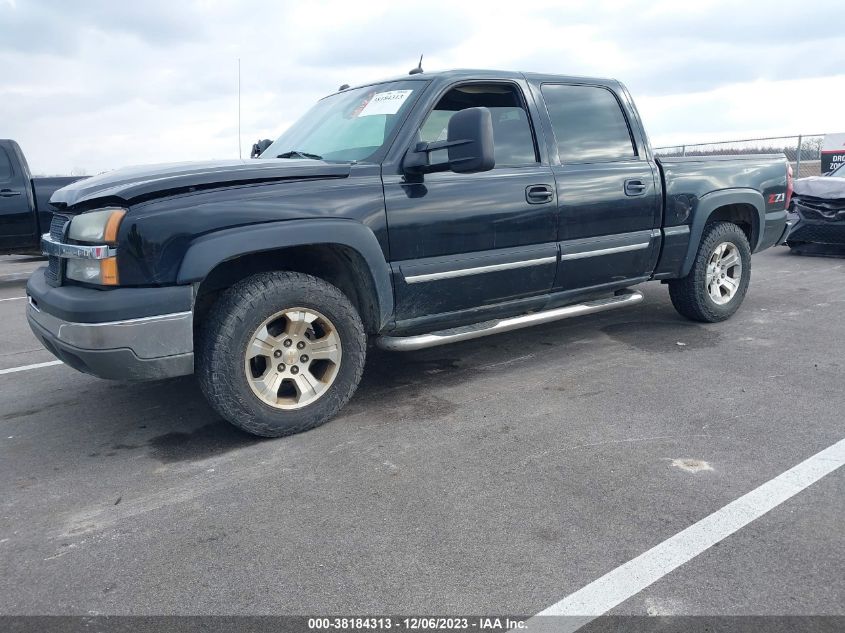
(480, 73)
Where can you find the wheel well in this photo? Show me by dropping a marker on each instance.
(341, 266)
(743, 215)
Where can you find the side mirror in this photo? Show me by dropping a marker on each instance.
(259, 147)
(470, 138)
(469, 144)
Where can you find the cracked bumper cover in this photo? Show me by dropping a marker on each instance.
(822, 223)
(139, 346)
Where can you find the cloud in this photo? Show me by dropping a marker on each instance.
(98, 84)
(60, 27)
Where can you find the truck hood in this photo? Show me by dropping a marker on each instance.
(825, 187)
(150, 181)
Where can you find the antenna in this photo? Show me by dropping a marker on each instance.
(418, 69)
(239, 109)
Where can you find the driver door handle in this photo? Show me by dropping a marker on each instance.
(539, 194)
(635, 187)
(8, 193)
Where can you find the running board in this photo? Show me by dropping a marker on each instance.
(477, 330)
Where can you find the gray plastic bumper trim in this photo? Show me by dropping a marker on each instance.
(147, 337)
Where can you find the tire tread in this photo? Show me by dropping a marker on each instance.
(227, 319)
(689, 294)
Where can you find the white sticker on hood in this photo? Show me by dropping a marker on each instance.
(385, 102)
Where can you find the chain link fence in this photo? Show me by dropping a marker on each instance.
(803, 151)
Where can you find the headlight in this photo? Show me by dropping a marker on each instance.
(97, 226)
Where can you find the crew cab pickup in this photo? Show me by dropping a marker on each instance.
(24, 212)
(414, 212)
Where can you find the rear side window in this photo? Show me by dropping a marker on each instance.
(5, 166)
(589, 124)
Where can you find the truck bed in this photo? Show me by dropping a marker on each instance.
(689, 179)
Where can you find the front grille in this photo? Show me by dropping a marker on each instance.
(832, 233)
(57, 233)
(57, 226)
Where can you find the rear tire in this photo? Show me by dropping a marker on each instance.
(253, 361)
(718, 281)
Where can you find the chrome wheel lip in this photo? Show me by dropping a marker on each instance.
(724, 273)
(284, 362)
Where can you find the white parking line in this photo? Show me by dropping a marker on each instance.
(612, 589)
(12, 299)
(13, 370)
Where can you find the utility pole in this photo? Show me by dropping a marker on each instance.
(239, 108)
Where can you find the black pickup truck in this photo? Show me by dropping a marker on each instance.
(414, 212)
(24, 212)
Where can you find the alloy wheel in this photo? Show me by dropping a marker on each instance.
(293, 358)
(724, 273)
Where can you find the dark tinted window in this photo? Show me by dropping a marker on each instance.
(589, 124)
(5, 166)
(512, 137)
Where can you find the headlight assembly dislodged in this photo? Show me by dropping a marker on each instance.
(96, 227)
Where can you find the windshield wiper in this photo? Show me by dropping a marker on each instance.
(297, 154)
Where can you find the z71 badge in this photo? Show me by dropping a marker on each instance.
(777, 197)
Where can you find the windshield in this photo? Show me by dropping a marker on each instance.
(348, 126)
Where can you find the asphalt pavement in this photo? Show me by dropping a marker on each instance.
(493, 476)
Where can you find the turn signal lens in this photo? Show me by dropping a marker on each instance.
(108, 271)
(112, 225)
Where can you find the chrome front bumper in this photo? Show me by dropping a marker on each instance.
(147, 348)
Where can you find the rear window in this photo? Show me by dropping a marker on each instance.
(5, 166)
(588, 123)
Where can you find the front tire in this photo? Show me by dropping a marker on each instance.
(718, 281)
(280, 353)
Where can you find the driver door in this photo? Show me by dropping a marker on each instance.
(462, 241)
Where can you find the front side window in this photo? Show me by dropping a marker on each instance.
(512, 136)
(588, 123)
(352, 125)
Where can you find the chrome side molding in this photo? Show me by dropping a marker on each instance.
(605, 251)
(463, 272)
(496, 326)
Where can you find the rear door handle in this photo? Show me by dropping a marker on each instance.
(539, 194)
(635, 187)
(8, 193)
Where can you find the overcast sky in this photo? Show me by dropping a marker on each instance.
(98, 84)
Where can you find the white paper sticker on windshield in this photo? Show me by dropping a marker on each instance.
(385, 102)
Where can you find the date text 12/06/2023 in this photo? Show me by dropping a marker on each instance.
(420, 623)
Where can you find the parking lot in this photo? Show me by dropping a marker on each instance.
(495, 476)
